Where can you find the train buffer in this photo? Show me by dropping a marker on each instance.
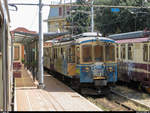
(56, 96)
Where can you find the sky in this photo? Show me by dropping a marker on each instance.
(27, 16)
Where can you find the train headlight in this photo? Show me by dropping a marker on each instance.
(87, 69)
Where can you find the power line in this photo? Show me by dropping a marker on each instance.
(77, 5)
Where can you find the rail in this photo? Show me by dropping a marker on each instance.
(133, 100)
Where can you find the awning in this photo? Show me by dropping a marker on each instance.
(22, 37)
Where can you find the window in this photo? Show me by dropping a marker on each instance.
(71, 54)
(78, 55)
(55, 52)
(145, 52)
(110, 52)
(61, 51)
(16, 52)
(87, 53)
(130, 52)
(123, 51)
(60, 11)
(98, 52)
(117, 51)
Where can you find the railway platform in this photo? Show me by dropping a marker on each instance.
(56, 96)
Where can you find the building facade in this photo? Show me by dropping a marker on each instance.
(57, 18)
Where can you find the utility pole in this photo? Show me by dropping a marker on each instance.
(92, 16)
(40, 64)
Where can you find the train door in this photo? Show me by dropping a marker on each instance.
(52, 58)
(65, 60)
(86, 62)
(71, 60)
(145, 79)
(77, 60)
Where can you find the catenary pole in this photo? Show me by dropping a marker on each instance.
(92, 16)
(40, 64)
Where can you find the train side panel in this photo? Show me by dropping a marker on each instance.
(136, 69)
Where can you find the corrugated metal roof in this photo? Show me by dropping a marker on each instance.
(134, 40)
(128, 35)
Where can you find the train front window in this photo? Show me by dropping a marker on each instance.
(98, 52)
(110, 52)
(87, 53)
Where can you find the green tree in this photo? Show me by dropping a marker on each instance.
(79, 20)
(126, 20)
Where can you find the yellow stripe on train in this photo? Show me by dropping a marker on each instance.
(99, 77)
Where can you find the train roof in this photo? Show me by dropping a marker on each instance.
(89, 39)
(87, 36)
(133, 40)
(130, 35)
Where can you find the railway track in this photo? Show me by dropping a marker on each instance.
(117, 102)
(132, 100)
(109, 103)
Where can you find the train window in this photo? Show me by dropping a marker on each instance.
(56, 53)
(16, 53)
(123, 51)
(130, 52)
(98, 52)
(78, 55)
(117, 51)
(61, 51)
(110, 52)
(87, 53)
(145, 52)
(71, 54)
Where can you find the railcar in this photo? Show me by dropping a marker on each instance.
(133, 54)
(88, 61)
